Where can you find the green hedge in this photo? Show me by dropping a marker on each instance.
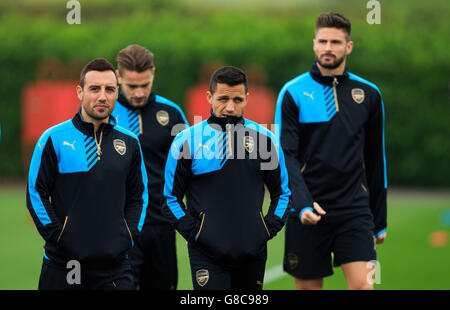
(406, 56)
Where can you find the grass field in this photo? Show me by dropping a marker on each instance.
(407, 259)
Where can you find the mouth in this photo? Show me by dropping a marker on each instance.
(101, 107)
(138, 100)
(328, 57)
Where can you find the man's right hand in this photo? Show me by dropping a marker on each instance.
(310, 218)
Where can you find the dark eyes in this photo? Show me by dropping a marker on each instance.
(97, 88)
(236, 100)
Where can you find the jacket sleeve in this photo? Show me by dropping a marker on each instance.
(375, 165)
(41, 178)
(277, 182)
(176, 177)
(287, 129)
(136, 192)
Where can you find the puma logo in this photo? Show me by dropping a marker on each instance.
(309, 95)
(204, 146)
(71, 145)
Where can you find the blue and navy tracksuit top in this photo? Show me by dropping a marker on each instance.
(87, 205)
(156, 125)
(331, 129)
(223, 164)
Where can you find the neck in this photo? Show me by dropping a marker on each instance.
(336, 71)
(95, 122)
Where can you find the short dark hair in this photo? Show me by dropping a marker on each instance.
(134, 58)
(227, 75)
(334, 20)
(97, 64)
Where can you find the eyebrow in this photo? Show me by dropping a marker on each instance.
(99, 86)
(228, 97)
(137, 85)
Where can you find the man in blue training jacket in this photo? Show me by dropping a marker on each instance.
(223, 165)
(87, 191)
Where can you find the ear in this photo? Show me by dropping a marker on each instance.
(80, 92)
(119, 78)
(349, 47)
(246, 99)
(209, 97)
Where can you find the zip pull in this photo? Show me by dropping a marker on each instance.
(228, 128)
(335, 83)
(141, 129)
(99, 144)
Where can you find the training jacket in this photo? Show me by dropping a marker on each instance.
(222, 164)
(155, 124)
(331, 129)
(86, 208)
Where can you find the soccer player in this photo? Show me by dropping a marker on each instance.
(331, 126)
(87, 190)
(222, 164)
(155, 120)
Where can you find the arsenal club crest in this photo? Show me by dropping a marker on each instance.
(292, 260)
(202, 277)
(358, 95)
(120, 146)
(249, 143)
(162, 117)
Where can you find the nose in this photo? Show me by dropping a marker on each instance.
(230, 106)
(102, 96)
(139, 92)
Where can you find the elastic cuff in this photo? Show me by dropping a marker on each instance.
(380, 232)
(303, 210)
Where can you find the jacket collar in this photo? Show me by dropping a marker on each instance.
(326, 79)
(125, 102)
(88, 128)
(222, 122)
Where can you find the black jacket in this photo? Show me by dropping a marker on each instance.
(156, 125)
(222, 164)
(85, 207)
(332, 132)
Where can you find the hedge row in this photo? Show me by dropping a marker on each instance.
(406, 56)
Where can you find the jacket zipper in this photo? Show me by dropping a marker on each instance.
(62, 230)
(230, 151)
(302, 169)
(141, 129)
(335, 82)
(202, 214)
(264, 222)
(129, 232)
(99, 143)
(363, 187)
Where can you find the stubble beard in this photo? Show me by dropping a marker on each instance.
(333, 65)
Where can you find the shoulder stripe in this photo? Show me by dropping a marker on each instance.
(126, 132)
(166, 101)
(360, 79)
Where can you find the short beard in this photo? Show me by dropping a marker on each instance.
(333, 65)
(93, 116)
